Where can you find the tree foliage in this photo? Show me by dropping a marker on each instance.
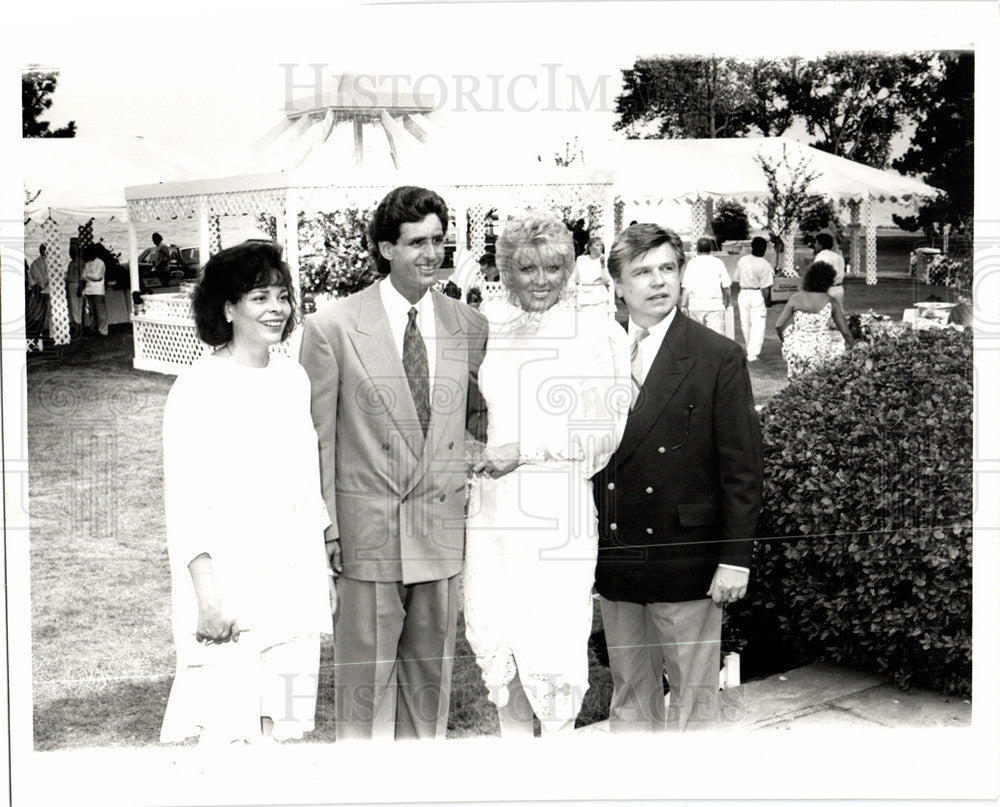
(856, 103)
(943, 146)
(37, 88)
(686, 96)
(788, 185)
(852, 103)
(730, 222)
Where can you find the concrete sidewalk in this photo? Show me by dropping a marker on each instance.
(824, 695)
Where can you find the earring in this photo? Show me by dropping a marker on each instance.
(229, 316)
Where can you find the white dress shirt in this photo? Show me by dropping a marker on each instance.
(397, 307)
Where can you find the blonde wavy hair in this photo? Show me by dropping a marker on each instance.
(538, 235)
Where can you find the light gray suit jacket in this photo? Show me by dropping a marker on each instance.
(396, 500)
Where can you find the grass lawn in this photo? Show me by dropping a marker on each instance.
(102, 652)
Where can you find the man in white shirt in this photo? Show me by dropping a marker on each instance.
(705, 288)
(827, 254)
(394, 372)
(38, 277)
(678, 502)
(755, 276)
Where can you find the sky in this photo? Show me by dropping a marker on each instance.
(207, 78)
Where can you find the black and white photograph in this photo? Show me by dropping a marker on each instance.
(508, 402)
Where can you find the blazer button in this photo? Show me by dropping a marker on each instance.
(662, 450)
(611, 485)
(612, 526)
(404, 499)
(451, 445)
(385, 446)
(441, 497)
(649, 490)
(649, 530)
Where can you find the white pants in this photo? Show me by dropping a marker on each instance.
(753, 320)
(716, 320)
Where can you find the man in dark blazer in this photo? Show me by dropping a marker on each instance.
(678, 502)
(394, 373)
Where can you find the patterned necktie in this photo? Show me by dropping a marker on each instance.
(417, 372)
(637, 337)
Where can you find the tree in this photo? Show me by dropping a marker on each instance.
(857, 103)
(942, 148)
(684, 96)
(730, 222)
(788, 185)
(37, 87)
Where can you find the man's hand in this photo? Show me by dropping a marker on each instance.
(728, 585)
(499, 461)
(333, 555)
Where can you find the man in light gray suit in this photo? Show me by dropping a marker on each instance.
(394, 387)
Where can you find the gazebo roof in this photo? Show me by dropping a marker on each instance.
(728, 168)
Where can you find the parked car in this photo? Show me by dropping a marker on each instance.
(184, 264)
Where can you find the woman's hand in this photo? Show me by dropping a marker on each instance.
(215, 625)
(497, 462)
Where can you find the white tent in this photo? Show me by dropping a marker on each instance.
(80, 180)
(696, 171)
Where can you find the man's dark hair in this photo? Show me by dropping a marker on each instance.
(638, 240)
(824, 241)
(228, 276)
(705, 245)
(407, 204)
(157, 238)
(758, 246)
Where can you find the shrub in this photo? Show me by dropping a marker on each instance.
(730, 222)
(866, 557)
(950, 271)
(333, 253)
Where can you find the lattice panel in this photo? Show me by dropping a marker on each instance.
(699, 218)
(619, 220)
(58, 307)
(477, 230)
(164, 345)
(788, 253)
(214, 235)
(871, 265)
(246, 203)
(855, 248)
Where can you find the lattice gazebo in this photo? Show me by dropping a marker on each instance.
(164, 333)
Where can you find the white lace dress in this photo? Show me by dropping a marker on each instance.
(558, 385)
(241, 483)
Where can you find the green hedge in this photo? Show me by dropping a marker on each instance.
(867, 558)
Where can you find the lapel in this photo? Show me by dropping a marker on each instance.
(672, 363)
(451, 372)
(372, 338)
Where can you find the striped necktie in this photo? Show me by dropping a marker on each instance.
(416, 368)
(637, 377)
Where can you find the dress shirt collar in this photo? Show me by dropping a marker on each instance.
(650, 346)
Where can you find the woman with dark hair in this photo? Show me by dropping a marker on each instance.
(557, 389)
(811, 341)
(251, 586)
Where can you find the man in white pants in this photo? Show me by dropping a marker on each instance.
(826, 253)
(755, 277)
(705, 288)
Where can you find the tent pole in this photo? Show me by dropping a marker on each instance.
(133, 256)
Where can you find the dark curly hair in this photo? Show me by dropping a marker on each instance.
(406, 204)
(228, 276)
(818, 277)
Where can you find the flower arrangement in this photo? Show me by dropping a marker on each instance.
(333, 253)
(955, 273)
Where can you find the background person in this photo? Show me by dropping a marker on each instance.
(706, 288)
(38, 276)
(827, 254)
(74, 291)
(679, 500)
(755, 277)
(591, 279)
(245, 516)
(160, 259)
(811, 342)
(94, 289)
(532, 528)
